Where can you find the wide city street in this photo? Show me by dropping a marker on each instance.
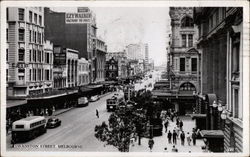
(77, 129)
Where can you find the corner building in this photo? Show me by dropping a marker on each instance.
(29, 69)
(184, 60)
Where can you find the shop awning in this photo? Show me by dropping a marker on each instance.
(13, 103)
(212, 133)
(85, 89)
(211, 98)
(198, 115)
(94, 86)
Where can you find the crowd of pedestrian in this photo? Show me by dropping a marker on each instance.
(177, 134)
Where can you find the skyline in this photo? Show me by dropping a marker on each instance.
(120, 27)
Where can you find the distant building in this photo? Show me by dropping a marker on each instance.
(111, 69)
(136, 51)
(122, 62)
(146, 58)
(27, 72)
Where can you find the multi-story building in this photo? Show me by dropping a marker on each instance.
(184, 58)
(74, 35)
(111, 69)
(220, 43)
(183, 62)
(122, 62)
(101, 50)
(146, 58)
(67, 60)
(135, 51)
(83, 72)
(29, 69)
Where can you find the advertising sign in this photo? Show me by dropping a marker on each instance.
(78, 18)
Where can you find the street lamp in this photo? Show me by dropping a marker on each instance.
(220, 108)
(215, 104)
(223, 115)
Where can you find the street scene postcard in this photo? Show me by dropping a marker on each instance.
(133, 78)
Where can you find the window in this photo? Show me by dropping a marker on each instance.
(30, 74)
(194, 64)
(21, 34)
(30, 35)
(21, 14)
(7, 74)
(184, 40)
(182, 64)
(190, 40)
(30, 16)
(35, 18)
(7, 34)
(235, 54)
(21, 74)
(47, 75)
(187, 22)
(40, 20)
(21, 55)
(7, 14)
(35, 37)
(236, 103)
(211, 22)
(7, 55)
(47, 57)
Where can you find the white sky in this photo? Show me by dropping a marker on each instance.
(120, 26)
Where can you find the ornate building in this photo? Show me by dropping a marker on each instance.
(184, 59)
(220, 43)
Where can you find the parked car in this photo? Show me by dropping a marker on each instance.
(94, 98)
(82, 101)
(53, 122)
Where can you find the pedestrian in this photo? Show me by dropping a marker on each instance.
(169, 137)
(150, 144)
(188, 138)
(13, 140)
(181, 125)
(182, 138)
(97, 113)
(166, 126)
(174, 137)
(194, 138)
(177, 121)
(174, 149)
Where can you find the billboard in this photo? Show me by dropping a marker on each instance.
(78, 18)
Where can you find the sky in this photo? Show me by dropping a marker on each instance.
(120, 26)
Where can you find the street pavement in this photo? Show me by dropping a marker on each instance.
(161, 142)
(75, 134)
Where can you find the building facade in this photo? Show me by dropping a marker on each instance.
(67, 59)
(27, 68)
(135, 51)
(111, 69)
(121, 57)
(184, 59)
(101, 50)
(77, 36)
(83, 72)
(220, 43)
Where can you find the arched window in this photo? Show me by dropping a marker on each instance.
(187, 86)
(187, 22)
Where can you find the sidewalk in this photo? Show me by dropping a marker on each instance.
(161, 142)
